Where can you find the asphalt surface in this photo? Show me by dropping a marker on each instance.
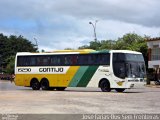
(22, 100)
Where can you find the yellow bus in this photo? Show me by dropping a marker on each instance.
(107, 69)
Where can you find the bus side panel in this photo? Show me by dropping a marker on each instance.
(55, 80)
(103, 72)
(83, 76)
(64, 80)
(19, 80)
(87, 76)
(78, 76)
(25, 79)
(52, 78)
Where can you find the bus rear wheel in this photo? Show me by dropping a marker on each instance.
(45, 84)
(120, 89)
(35, 84)
(105, 86)
(60, 88)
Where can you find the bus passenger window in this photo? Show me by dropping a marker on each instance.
(90, 59)
(80, 59)
(55, 60)
(46, 61)
(33, 61)
(74, 60)
(67, 60)
(20, 61)
(26, 61)
(98, 59)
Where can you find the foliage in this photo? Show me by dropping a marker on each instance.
(10, 45)
(129, 41)
(68, 49)
(10, 65)
(84, 47)
(42, 50)
(107, 44)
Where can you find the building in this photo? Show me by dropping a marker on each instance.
(154, 54)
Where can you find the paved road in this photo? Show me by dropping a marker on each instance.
(15, 99)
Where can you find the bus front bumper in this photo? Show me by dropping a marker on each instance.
(137, 83)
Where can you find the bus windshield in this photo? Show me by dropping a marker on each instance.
(133, 57)
(135, 69)
(128, 65)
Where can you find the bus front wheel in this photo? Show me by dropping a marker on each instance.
(105, 86)
(35, 84)
(120, 89)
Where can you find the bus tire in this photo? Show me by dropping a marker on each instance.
(105, 86)
(120, 89)
(35, 84)
(45, 84)
(60, 88)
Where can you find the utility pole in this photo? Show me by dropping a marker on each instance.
(36, 43)
(94, 29)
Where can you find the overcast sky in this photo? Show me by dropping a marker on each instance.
(59, 24)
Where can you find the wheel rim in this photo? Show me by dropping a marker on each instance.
(105, 86)
(44, 85)
(35, 85)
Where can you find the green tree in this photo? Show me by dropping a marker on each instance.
(10, 45)
(68, 49)
(132, 41)
(84, 47)
(42, 50)
(10, 65)
(92, 45)
(95, 45)
(129, 41)
(107, 44)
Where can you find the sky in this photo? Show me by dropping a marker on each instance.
(60, 24)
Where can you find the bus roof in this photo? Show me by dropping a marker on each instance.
(125, 51)
(80, 50)
(83, 51)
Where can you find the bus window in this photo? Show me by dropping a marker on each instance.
(26, 61)
(82, 59)
(56, 60)
(46, 60)
(91, 59)
(20, 61)
(103, 59)
(67, 60)
(33, 61)
(53, 60)
(120, 70)
(74, 60)
(119, 65)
